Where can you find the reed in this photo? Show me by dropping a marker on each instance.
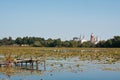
(106, 54)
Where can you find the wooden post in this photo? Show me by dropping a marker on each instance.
(26, 64)
(44, 65)
(36, 65)
(21, 64)
(15, 64)
(32, 63)
(31, 66)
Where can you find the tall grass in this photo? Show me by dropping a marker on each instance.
(107, 54)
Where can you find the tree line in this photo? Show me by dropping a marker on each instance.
(41, 42)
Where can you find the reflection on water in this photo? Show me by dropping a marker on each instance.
(68, 66)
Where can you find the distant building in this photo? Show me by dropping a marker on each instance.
(93, 39)
(81, 39)
(75, 39)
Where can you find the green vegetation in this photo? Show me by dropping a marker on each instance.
(97, 55)
(104, 55)
(41, 42)
(114, 42)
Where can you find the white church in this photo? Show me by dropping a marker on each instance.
(93, 39)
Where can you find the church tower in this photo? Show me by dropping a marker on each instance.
(92, 39)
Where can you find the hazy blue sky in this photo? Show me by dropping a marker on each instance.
(59, 18)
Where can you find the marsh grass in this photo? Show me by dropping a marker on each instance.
(101, 55)
(108, 55)
(111, 69)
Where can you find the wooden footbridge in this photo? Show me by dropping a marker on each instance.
(23, 62)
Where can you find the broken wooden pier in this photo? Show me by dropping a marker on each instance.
(24, 63)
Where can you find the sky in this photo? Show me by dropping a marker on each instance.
(63, 19)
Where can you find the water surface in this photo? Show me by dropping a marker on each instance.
(67, 66)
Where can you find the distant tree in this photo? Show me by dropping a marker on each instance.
(41, 42)
(25, 40)
(30, 41)
(37, 44)
(5, 41)
(108, 43)
(73, 43)
(49, 43)
(11, 41)
(18, 41)
(101, 44)
(79, 44)
(57, 43)
(116, 41)
(86, 44)
(66, 44)
(1, 43)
